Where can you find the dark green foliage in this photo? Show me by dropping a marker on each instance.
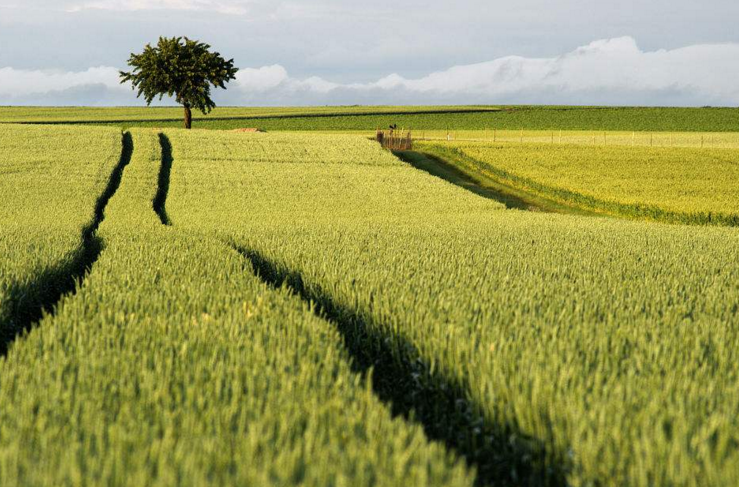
(510, 118)
(418, 118)
(182, 68)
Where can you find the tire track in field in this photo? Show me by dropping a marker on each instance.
(402, 380)
(411, 388)
(165, 171)
(49, 286)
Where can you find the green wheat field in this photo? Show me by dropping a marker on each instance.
(301, 307)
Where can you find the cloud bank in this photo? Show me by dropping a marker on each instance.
(609, 72)
(612, 71)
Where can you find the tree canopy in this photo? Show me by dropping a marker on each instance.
(182, 68)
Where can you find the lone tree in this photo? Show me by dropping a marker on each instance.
(182, 68)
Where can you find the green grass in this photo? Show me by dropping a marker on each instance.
(368, 118)
(19, 114)
(515, 118)
(581, 350)
(679, 185)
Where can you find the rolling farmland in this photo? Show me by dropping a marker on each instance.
(174, 364)
(307, 309)
(488, 309)
(682, 185)
(429, 118)
(69, 115)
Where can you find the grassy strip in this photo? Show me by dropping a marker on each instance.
(640, 119)
(467, 177)
(117, 115)
(576, 200)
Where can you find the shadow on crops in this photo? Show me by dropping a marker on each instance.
(501, 454)
(160, 199)
(448, 172)
(27, 301)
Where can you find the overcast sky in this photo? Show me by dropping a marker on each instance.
(658, 52)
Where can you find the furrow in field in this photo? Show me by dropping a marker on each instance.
(160, 199)
(174, 364)
(419, 392)
(443, 412)
(52, 283)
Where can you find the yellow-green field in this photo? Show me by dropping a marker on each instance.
(211, 307)
(688, 185)
(707, 140)
(51, 180)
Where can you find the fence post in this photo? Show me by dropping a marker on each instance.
(521, 138)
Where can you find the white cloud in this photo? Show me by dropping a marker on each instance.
(261, 79)
(232, 7)
(275, 77)
(613, 71)
(19, 82)
(601, 70)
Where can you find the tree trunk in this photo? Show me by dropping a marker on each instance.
(188, 117)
